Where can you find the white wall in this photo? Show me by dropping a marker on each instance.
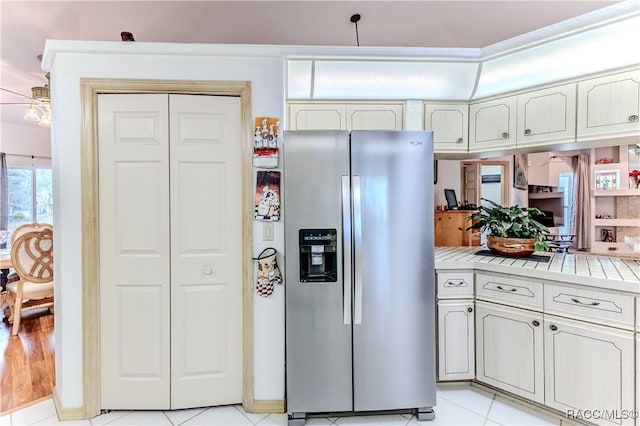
(21, 141)
(68, 67)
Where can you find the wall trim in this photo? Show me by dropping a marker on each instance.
(76, 413)
(90, 88)
(269, 406)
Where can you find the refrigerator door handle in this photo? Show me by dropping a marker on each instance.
(357, 244)
(346, 255)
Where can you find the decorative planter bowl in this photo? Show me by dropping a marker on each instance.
(512, 247)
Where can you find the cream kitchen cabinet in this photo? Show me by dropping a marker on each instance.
(547, 116)
(345, 116)
(588, 367)
(510, 349)
(450, 126)
(456, 343)
(609, 106)
(492, 124)
(456, 359)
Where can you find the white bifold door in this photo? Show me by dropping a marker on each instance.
(170, 251)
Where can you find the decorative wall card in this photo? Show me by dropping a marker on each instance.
(266, 139)
(267, 195)
(607, 179)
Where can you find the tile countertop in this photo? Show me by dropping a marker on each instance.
(613, 273)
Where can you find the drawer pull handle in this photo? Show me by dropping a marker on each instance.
(535, 323)
(579, 302)
(553, 327)
(457, 284)
(499, 287)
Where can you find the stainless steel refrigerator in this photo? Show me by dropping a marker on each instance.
(360, 280)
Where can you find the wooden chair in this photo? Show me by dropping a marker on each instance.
(27, 227)
(32, 258)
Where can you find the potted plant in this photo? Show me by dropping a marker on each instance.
(512, 230)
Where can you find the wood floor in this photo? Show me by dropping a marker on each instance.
(27, 368)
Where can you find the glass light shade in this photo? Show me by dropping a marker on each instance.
(45, 121)
(32, 113)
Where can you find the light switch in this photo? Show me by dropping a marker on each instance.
(267, 231)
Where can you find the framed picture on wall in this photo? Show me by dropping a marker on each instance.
(520, 180)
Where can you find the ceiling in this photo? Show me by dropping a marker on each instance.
(25, 25)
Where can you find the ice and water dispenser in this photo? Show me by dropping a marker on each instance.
(318, 255)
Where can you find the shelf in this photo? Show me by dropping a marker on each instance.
(615, 192)
(608, 166)
(616, 222)
(545, 195)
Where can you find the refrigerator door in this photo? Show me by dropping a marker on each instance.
(394, 299)
(318, 314)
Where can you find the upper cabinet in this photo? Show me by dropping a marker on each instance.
(345, 116)
(547, 116)
(450, 126)
(609, 106)
(492, 125)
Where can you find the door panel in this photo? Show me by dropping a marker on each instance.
(206, 273)
(134, 251)
(318, 337)
(394, 345)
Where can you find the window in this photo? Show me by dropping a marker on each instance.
(565, 182)
(30, 196)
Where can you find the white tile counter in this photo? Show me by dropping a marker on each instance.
(613, 273)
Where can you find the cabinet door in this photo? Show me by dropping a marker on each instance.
(456, 360)
(450, 125)
(588, 367)
(493, 124)
(546, 116)
(509, 349)
(318, 116)
(609, 105)
(374, 116)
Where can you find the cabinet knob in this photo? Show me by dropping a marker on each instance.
(469, 309)
(207, 270)
(527, 132)
(633, 117)
(553, 327)
(535, 323)
(505, 135)
(460, 140)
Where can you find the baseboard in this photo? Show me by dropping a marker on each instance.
(66, 413)
(267, 406)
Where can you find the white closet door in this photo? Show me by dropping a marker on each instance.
(134, 251)
(206, 248)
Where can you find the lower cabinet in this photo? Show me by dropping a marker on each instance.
(510, 349)
(589, 367)
(456, 359)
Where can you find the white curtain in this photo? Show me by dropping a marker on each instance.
(581, 214)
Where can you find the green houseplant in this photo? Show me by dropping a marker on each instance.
(513, 231)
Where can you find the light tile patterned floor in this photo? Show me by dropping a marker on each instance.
(463, 405)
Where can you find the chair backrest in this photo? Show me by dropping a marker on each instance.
(32, 256)
(28, 227)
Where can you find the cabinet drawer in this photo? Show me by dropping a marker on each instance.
(455, 284)
(516, 291)
(590, 305)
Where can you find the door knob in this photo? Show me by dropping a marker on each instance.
(207, 270)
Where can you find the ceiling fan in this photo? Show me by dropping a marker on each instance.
(39, 103)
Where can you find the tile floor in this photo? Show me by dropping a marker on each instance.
(456, 405)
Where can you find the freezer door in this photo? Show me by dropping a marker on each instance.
(318, 313)
(394, 300)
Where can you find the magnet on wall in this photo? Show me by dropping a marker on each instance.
(266, 140)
